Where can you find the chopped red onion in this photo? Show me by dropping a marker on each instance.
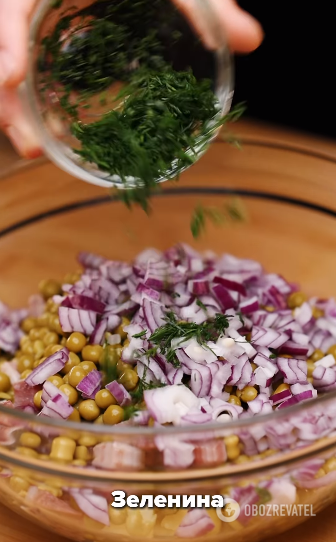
(275, 298)
(296, 389)
(197, 522)
(126, 308)
(327, 361)
(58, 408)
(260, 405)
(149, 292)
(36, 305)
(88, 259)
(10, 335)
(98, 334)
(154, 314)
(245, 496)
(196, 418)
(169, 404)
(90, 384)
(94, 506)
(315, 483)
(49, 367)
(112, 321)
(293, 349)
(242, 374)
(194, 313)
(104, 290)
(225, 408)
(324, 376)
(225, 300)
(277, 398)
(84, 303)
(294, 370)
(176, 453)
(120, 393)
(250, 305)
(297, 399)
(50, 391)
(118, 272)
(77, 320)
(198, 287)
(9, 369)
(263, 376)
(230, 284)
(268, 337)
(220, 379)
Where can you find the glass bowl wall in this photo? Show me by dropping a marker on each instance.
(48, 217)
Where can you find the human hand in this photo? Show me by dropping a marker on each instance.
(14, 24)
(241, 31)
(243, 34)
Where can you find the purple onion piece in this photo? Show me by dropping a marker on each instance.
(231, 285)
(49, 367)
(90, 383)
(58, 408)
(84, 303)
(224, 298)
(277, 398)
(296, 399)
(98, 334)
(120, 393)
(77, 320)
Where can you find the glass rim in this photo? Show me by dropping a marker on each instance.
(240, 423)
(167, 476)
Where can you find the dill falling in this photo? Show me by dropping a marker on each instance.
(154, 125)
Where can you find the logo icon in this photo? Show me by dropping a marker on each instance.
(230, 512)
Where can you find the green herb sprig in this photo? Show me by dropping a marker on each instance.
(174, 329)
(153, 129)
(219, 216)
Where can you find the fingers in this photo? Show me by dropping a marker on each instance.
(14, 25)
(243, 33)
(192, 10)
(224, 21)
(16, 125)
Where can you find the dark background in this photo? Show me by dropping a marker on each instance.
(290, 79)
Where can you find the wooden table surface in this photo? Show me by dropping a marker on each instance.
(317, 529)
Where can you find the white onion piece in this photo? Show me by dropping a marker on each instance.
(94, 506)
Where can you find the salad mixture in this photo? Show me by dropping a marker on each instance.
(172, 339)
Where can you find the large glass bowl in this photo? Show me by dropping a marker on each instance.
(47, 217)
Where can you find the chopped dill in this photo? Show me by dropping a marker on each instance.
(175, 329)
(159, 121)
(231, 212)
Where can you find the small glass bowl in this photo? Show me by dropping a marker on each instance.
(48, 115)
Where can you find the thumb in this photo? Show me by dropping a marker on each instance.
(243, 32)
(219, 20)
(16, 125)
(14, 24)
